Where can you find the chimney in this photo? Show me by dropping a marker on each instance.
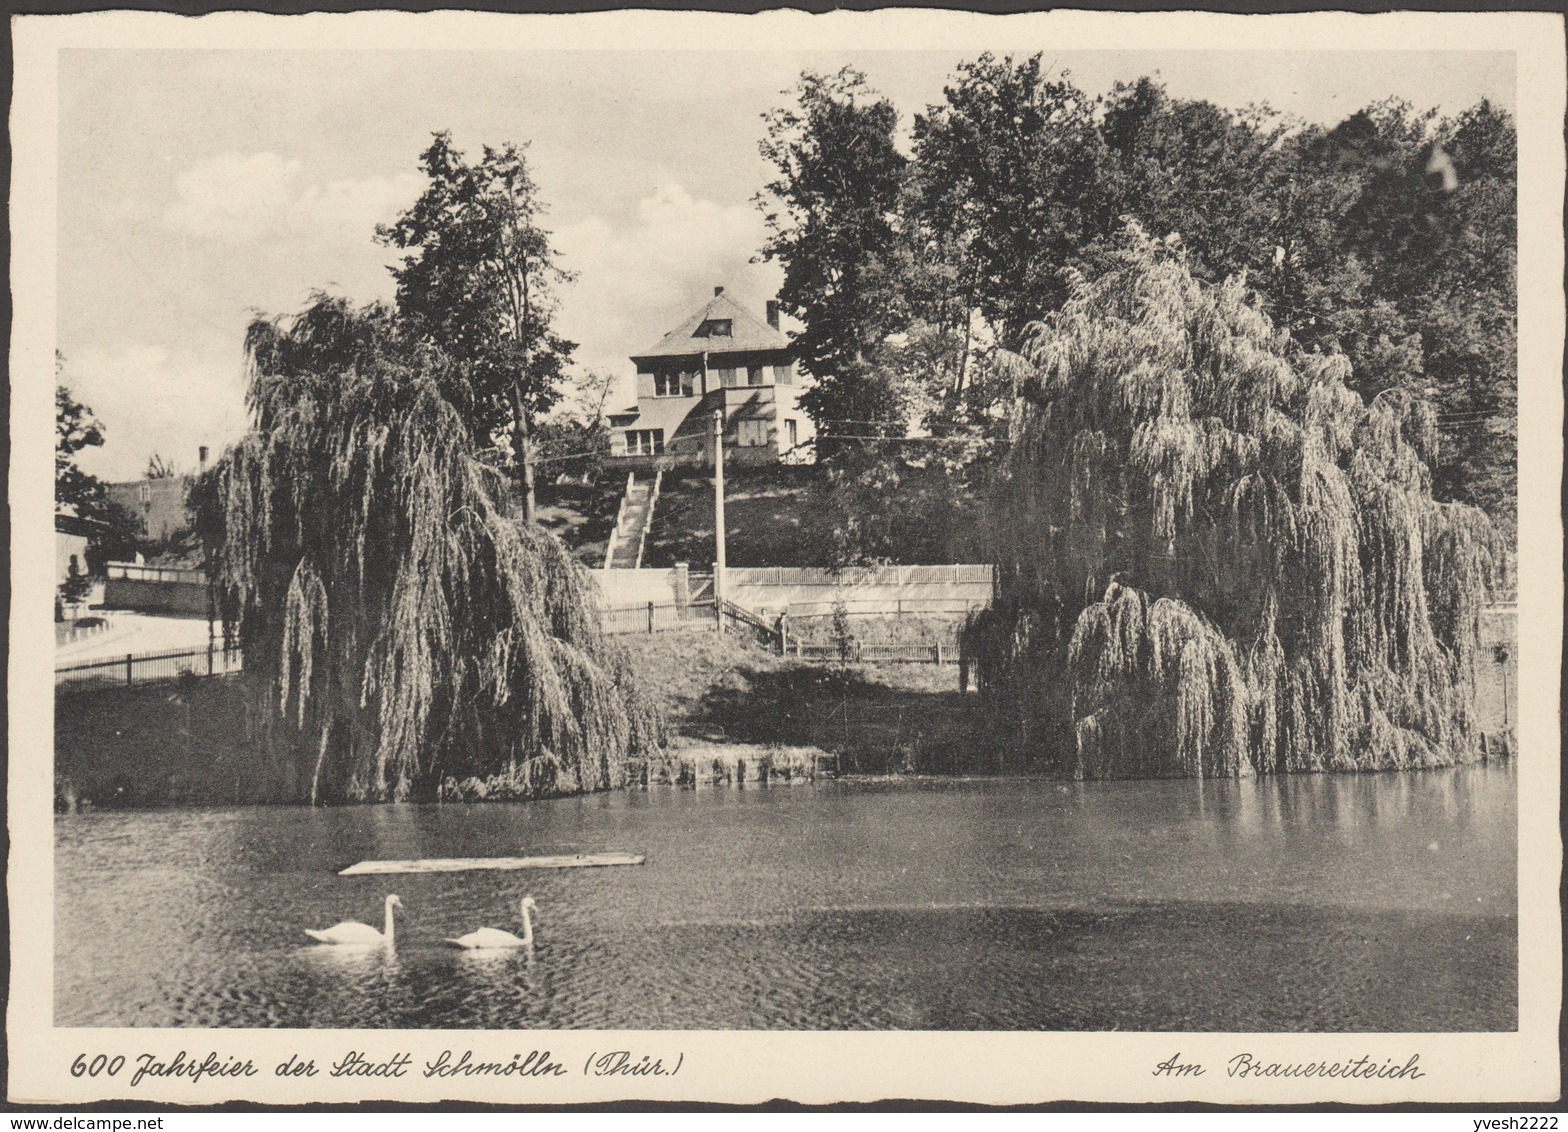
(717, 291)
(201, 457)
(773, 313)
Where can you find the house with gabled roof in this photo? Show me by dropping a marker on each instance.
(721, 358)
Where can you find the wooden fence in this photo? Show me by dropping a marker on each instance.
(700, 616)
(855, 653)
(657, 617)
(885, 607)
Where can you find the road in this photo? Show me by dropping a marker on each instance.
(133, 633)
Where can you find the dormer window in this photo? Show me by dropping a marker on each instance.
(670, 383)
(715, 328)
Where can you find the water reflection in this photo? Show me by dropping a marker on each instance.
(1287, 903)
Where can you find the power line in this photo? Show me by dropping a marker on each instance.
(570, 455)
(915, 439)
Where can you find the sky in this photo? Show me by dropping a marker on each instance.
(199, 188)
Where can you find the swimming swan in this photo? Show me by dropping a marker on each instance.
(495, 937)
(351, 932)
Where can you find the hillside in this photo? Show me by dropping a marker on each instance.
(784, 515)
(580, 516)
(775, 516)
(719, 689)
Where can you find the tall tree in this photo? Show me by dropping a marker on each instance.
(1191, 168)
(1454, 276)
(1006, 180)
(1215, 557)
(120, 535)
(831, 213)
(573, 439)
(479, 283)
(159, 469)
(402, 633)
(1424, 215)
(75, 428)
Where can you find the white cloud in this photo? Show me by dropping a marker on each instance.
(251, 198)
(637, 280)
(150, 399)
(637, 277)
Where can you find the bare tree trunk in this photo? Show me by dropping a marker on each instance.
(529, 515)
(523, 447)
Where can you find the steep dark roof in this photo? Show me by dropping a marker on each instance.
(747, 332)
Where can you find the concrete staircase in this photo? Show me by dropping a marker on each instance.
(632, 521)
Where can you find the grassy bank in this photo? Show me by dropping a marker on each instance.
(581, 516)
(776, 515)
(737, 714)
(183, 741)
(720, 691)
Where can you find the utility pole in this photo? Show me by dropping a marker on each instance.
(718, 505)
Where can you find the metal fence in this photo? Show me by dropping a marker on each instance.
(148, 668)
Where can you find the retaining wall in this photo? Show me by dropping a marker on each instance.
(868, 589)
(182, 599)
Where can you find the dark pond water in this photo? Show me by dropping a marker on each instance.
(1323, 902)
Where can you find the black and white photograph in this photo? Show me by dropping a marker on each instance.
(727, 527)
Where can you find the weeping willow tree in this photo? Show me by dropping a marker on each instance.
(1216, 558)
(402, 627)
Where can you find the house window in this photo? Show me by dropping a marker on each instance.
(669, 383)
(790, 432)
(754, 375)
(715, 328)
(781, 375)
(644, 441)
(727, 377)
(751, 434)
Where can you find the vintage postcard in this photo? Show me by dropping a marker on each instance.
(707, 557)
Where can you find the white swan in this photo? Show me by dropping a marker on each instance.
(349, 931)
(495, 937)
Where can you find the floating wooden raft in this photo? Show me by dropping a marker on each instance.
(475, 864)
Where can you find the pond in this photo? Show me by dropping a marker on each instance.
(1323, 902)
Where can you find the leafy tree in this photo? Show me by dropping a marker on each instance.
(573, 440)
(76, 586)
(1215, 557)
(1005, 180)
(119, 540)
(160, 469)
(479, 283)
(1426, 219)
(75, 428)
(1388, 238)
(1463, 301)
(910, 497)
(831, 212)
(120, 535)
(1324, 284)
(1193, 169)
(402, 633)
